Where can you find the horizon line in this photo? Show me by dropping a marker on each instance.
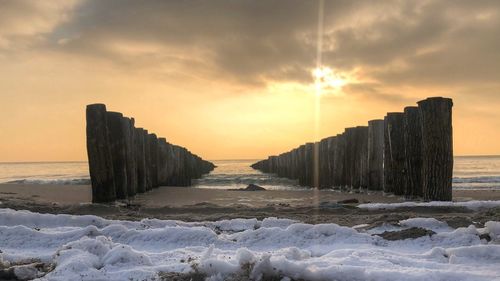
(233, 159)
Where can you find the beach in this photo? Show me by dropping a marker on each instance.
(198, 204)
(51, 229)
(53, 232)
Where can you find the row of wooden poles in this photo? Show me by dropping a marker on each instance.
(407, 153)
(125, 160)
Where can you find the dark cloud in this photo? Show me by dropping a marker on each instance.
(411, 43)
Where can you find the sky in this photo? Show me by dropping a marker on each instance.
(239, 79)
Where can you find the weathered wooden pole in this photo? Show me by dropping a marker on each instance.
(147, 157)
(350, 157)
(376, 154)
(170, 162)
(117, 141)
(140, 159)
(388, 170)
(309, 163)
(162, 161)
(395, 128)
(331, 149)
(153, 164)
(413, 152)
(360, 179)
(302, 165)
(339, 173)
(131, 168)
(437, 148)
(324, 171)
(99, 154)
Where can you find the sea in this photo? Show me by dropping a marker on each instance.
(470, 172)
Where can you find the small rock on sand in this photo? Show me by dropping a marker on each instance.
(250, 187)
(410, 233)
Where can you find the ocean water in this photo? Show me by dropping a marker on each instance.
(470, 172)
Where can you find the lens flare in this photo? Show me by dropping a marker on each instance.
(327, 81)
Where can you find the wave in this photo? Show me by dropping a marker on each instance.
(244, 179)
(78, 181)
(482, 179)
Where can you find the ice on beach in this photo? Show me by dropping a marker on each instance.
(473, 204)
(94, 248)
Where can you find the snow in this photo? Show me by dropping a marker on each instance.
(473, 204)
(93, 248)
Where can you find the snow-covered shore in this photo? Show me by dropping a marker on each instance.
(93, 248)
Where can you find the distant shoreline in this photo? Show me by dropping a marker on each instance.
(256, 159)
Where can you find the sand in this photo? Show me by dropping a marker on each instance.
(195, 204)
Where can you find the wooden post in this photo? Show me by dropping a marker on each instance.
(302, 165)
(395, 128)
(131, 168)
(339, 175)
(170, 162)
(140, 157)
(153, 155)
(437, 148)
(117, 140)
(162, 162)
(360, 179)
(147, 157)
(413, 152)
(309, 163)
(350, 157)
(331, 149)
(324, 161)
(376, 154)
(99, 154)
(388, 170)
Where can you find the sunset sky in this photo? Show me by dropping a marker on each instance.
(234, 79)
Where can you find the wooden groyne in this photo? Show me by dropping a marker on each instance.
(408, 153)
(125, 160)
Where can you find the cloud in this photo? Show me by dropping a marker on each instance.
(408, 43)
(21, 22)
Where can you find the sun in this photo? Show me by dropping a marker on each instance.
(328, 81)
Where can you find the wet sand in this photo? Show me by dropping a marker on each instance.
(195, 204)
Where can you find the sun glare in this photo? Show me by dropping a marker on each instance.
(328, 81)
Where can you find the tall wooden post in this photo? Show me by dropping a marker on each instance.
(388, 170)
(117, 140)
(162, 161)
(147, 157)
(129, 129)
(350, 157)
(413, 152)
(397, 150)
(324, 171)
(437, 148)
(376, 154)
(360, 179)
(140, 157)
(309, 158)
(153, 155)
(331, 149)
(302, 165)
(339, 174)
(99, 154)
